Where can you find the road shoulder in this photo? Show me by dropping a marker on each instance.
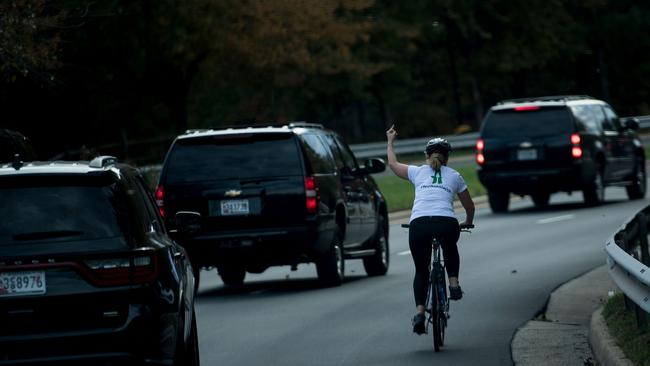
(566, 334)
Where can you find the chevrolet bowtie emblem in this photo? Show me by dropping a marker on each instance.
(233, 193)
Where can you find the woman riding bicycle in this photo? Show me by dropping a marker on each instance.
(433, 216)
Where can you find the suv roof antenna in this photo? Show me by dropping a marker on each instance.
(17, 163)
(103, 161)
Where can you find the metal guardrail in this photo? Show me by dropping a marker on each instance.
(628, 259)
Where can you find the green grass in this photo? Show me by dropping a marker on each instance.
(634, 341)
(399, 192)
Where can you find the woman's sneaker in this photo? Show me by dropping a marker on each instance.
(455, 293)
(418, 324)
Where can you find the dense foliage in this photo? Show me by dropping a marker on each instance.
(123, 76)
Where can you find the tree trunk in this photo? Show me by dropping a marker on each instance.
(478, 101)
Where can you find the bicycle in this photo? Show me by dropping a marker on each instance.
(437, 301)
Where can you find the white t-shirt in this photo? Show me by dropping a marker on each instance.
(434, 192)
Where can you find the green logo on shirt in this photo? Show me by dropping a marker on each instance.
(437, 177)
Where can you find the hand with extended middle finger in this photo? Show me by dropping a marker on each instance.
(391, 134)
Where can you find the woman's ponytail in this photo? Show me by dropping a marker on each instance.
(436, 160)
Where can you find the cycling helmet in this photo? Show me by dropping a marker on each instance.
(438, 145)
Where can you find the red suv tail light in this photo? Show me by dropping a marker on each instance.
(576, 150)
(160, 198)
(134, 269)
(311, 195)
(480, 157)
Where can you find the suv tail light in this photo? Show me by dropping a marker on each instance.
(160, 197)
(480, 145)
(134, 269)
(311, 195)
(576, 150)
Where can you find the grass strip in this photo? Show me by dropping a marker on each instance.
(634, 341)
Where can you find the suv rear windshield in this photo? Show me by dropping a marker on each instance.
(234, 157)
(63, 211)
(538, 123)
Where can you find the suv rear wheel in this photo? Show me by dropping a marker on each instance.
(232, 274)
(499, 200)
(637, 189)
(595, 194)
(377, 264)
(331, 265)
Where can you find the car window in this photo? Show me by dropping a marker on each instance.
(233, 156)
(601, 119)
(318, 155)
(334, 148)
(612, 118)
(51, 211)
(586, 119)
(152, 217)
(525, 124)
(346, 154)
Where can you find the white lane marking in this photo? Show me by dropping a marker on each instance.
(555, 219)
(406, 252)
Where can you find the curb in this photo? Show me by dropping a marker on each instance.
(603, 345)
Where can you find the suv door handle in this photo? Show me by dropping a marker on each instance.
(179, 255)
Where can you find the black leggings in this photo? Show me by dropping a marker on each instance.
(421, 232)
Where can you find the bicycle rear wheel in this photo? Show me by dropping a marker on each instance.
(437, 317)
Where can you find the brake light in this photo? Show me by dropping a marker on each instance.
(480, 157)
(480, 144)
(575, 139)
(527, 108)
(137, 269)
(311, 195)
(160, 197)
(576, 150)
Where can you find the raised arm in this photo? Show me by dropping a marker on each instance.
(468, 205)
(401, 170)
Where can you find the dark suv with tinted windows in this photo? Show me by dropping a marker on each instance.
(88, 274)
(270, 196)
(538, 146)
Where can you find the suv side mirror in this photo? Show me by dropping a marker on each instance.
(374, 165)
(631, 123)
(188, 222)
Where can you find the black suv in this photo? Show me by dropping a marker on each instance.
(538, 146)
(88, 274)
(270, 196)
(12, 143)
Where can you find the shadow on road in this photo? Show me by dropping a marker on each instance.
(273, 287)
(560, 207)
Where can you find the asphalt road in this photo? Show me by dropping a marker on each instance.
(509, 266)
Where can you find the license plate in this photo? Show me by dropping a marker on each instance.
(234, 207)
(22, 283)
(527, 154)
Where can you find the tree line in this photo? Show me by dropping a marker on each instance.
(103, 73)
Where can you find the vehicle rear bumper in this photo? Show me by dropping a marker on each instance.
(530, 181)
(140, 340)
(259, 248)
